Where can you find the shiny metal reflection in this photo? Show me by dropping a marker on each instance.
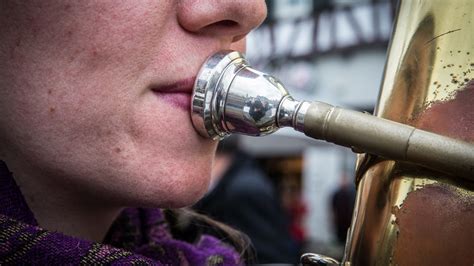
(218, 109)
(311, 259)
(406, 215)
(232, 97)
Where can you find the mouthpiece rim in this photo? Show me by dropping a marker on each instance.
(207, 81)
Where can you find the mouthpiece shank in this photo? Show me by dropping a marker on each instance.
(231, 97)
(364, 132)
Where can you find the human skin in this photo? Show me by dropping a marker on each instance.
(82, 127)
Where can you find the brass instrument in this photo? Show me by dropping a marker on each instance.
(408, 215)
(415, 183)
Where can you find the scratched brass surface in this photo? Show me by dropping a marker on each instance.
(407, 215)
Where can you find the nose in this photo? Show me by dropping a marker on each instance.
(228, 20)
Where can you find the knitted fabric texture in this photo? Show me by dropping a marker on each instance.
(138, 236)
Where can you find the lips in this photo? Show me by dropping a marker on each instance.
(177, 94)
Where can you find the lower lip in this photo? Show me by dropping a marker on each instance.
(181, 100)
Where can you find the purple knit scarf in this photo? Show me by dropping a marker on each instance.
(138, 236)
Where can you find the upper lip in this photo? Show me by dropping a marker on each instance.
(181, 86)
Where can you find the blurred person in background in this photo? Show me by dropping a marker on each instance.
(243, 196)
(296, 208)
(342, 206)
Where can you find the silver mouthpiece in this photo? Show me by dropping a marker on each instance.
(232, 97)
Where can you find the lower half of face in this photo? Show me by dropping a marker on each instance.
(126, 149)
(102, 132)
(78, 113)
(78, 110)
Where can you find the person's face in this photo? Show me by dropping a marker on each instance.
(94, 95)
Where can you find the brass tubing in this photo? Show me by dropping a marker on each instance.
(232, 97)
(389, 139)
(406, 215)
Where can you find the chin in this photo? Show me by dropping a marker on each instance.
(186, 195)
(180, 187)
(171, 165)
(181, 201)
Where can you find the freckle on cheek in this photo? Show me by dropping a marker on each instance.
(117, 150)
(50, 91)
(52, 109)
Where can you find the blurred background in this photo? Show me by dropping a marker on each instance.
(326, 50)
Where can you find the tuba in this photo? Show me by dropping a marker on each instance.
(415, 170)
(407, 215)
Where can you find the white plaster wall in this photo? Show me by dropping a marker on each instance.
(320, 179)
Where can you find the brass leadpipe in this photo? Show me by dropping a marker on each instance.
(231, 97)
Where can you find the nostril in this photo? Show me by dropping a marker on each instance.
(224, 27)
(228, 23)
